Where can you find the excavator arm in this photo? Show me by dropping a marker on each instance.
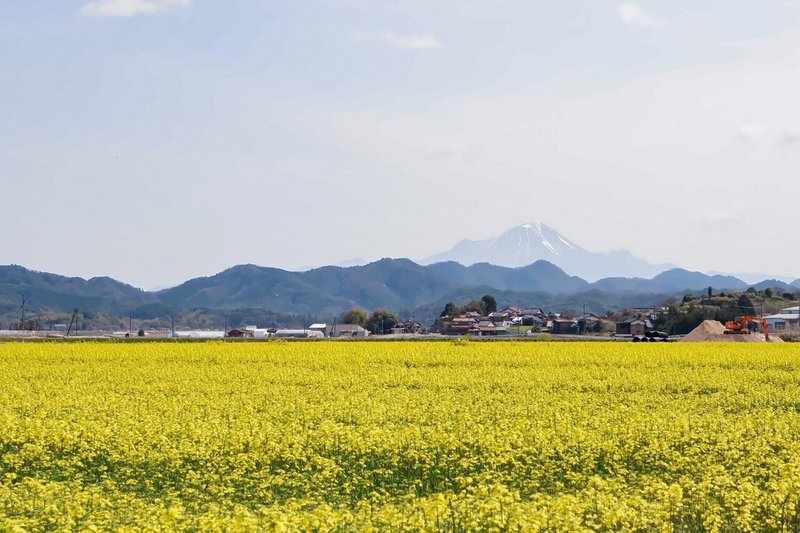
(740, 326)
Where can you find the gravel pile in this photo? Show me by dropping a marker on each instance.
(714, 331)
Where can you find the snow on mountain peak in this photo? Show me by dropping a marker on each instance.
(526, 243)
(565, 241)
(550, 247)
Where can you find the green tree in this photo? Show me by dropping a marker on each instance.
(381, 321)
(450, 309)
(768, 292)
(745, 305)
(355, 315)
(475, 305)
(725, 314)
(489, 303)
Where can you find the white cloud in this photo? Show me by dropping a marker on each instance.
(128, 8)
(634, 15)
(720, 215)
(416, 42)
(791, 137)
(751, 131)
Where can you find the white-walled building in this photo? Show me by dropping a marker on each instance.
(788, 318)
(340, 330)
(298, 334)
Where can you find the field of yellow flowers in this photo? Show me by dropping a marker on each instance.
(399, 436)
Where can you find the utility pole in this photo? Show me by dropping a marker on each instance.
(73, 320)
(583, 326)
(22, 313)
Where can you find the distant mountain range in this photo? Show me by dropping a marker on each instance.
(526, 265)
(389, 283)
(528, 243)
(52, 292)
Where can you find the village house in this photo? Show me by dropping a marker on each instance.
(488, 330)
(564, 326)
(633, 326)
(500, 317)
(495, 323)
(590, 321)
(339, 330)
(533, 321)
(788, 318)
(532, 311)
(407, 327)
(345, 330)
(461, 325)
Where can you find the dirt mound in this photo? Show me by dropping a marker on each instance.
(705, 331)
(713, 331)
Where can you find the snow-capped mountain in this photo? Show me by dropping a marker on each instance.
(528, 243)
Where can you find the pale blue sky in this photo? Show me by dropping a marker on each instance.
(157, 140)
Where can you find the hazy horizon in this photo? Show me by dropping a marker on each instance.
(748, 277)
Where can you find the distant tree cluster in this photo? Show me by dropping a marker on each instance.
(356, 315)
(379, 322)
(487, 304)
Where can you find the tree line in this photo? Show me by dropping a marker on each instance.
(380, 321)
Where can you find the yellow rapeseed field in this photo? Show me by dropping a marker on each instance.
(399, 436)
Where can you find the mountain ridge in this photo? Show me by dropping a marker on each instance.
(527, 243)
(389, 283)
(64, 293)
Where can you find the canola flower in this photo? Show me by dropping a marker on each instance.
(374, 436)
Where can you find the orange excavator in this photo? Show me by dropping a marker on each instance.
(740, 326)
